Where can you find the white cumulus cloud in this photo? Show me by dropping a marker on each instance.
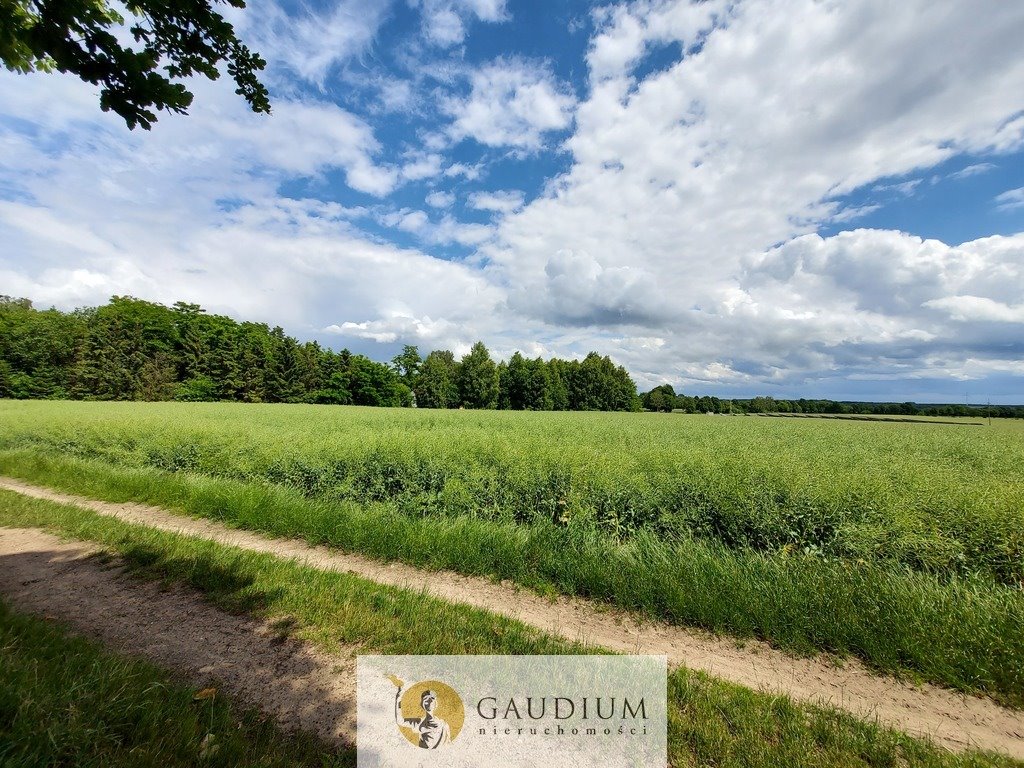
(444, 22)
(683, 179)
(498, 201)
(512, 102)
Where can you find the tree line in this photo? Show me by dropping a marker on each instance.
(130, 349)
(664, 398)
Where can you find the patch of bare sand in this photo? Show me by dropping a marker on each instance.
(951, 719)
(287, 679)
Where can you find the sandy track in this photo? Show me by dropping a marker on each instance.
(953, 720)
(176, 629)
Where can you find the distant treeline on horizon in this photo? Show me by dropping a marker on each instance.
(664, 398)
(130, 349)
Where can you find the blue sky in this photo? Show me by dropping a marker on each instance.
(788, 197)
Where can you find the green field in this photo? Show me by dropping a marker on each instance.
(902, 543)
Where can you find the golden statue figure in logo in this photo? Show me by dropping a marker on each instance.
(443, 713)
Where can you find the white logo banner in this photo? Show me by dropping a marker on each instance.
(483, 711)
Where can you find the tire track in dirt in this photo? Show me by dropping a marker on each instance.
(176, 629)
(951, 719)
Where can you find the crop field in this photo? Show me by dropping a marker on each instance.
(901, 543)
(937, 498)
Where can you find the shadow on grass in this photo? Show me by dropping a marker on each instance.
(231, 586)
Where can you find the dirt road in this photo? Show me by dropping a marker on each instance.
(176, 629)
(951, 719)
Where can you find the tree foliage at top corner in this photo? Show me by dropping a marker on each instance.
(173, 40)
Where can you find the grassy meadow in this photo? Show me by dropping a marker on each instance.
(902, 543)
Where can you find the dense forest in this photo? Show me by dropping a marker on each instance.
(664, 398)
(131, 349)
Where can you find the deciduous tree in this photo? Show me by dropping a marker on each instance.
(172, 42)
(478, 379)
(436, 385)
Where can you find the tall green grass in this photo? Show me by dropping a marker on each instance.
(710, 722)
(966, 633)
(939, 499)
